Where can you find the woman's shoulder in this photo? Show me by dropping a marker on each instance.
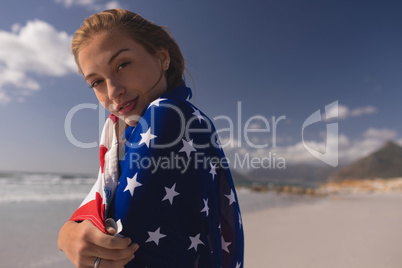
(172, 120)
(165, 108)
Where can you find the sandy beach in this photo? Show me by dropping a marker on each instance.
(339, 231)
(281, 231)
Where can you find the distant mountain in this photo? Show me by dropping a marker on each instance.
(240, 179)
(296, 174)
(384, 163)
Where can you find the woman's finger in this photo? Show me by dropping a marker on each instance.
(114, 264)
(110, 258)
(115, 254)
(83, 243)
(95, 236)
(109, 229)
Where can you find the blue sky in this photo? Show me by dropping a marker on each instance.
(278, 58)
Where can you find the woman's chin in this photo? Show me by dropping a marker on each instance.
(131, 120)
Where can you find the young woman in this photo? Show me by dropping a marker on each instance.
(164, 190)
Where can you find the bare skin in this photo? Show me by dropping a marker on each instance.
(83, 243)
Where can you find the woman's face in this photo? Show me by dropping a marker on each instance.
(124, 76)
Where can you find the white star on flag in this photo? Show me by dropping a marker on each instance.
(170, 193)
(240, 223)
(156, 102)
(187, 147)
(119, 227)
(132, 184)
(206, 208)
(225, 245)
(195, 241)
(212, 171)
(155, 236)
(147, 137)
(231, 197)
(199, 116)
(238, 264)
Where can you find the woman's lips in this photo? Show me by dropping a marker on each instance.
(127, 106)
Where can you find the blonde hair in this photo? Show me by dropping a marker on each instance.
(146, 33)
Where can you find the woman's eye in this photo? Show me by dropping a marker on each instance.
(95, 83)
(121, 66)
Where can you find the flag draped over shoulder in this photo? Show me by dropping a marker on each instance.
(96, 203)
(175, 195)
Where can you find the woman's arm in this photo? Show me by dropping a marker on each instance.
(83, 243)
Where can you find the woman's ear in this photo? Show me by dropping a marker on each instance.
(164, 57)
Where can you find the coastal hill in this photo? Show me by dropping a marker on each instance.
(293, 174)
(240, 179)
(383, 163)
(381, 171)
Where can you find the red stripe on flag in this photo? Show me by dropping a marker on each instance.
(102, 152)
(113, 118)
(93, 211)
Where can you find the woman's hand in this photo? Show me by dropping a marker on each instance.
(83, 243)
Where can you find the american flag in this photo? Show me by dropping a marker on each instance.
(174, 193)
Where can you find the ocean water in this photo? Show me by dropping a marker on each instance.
(39, 188)
(34, 206)
(17, 187)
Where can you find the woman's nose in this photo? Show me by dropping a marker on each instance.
(115, 89)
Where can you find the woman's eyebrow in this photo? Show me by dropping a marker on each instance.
(109, 61)
(116, 54)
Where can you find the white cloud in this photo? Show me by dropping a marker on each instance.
(112, 4)
(255, 126)
(343, 112)
(94, 5)
(36, 49)
(337, 111)
(348, 150)
(384, 134)
(230, 143)
(69, 3)
(363, 110)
